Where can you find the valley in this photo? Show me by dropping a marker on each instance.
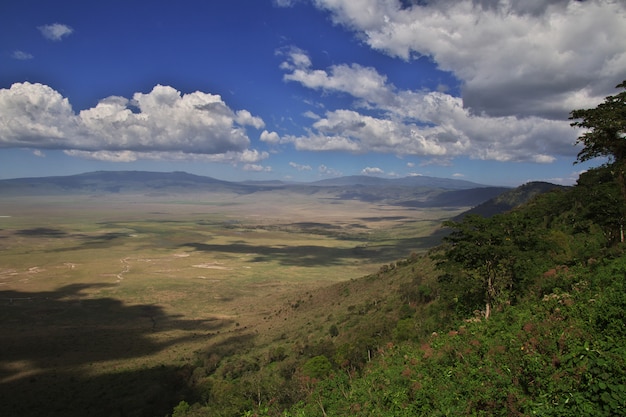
(105, 297)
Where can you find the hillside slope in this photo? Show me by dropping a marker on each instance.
(512, 198)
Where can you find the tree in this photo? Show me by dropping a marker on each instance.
(603, 202)
(484, 249)
(317, 367)
(605, 135)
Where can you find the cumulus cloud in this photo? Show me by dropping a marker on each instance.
(234, 158)
(311, 115)
(296, 59)
(433, 124)
(248, 155)
(160, 124)
(270, 137)
(535, 58)
(353, 79)
(300, 167)
(108, 156)
(244, 117)
(327, 171)
(257, 168)
(55, 31)
(21, 55)
(372, 171)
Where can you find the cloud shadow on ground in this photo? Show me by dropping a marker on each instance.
(315, 255)
(51, 340)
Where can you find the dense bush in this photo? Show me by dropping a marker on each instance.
(561, 355)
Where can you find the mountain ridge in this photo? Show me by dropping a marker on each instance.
(410, 181)
(510, 199)
(134, 181)
(413, 191)
(133, 175)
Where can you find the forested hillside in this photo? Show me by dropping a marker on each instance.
(517, 314)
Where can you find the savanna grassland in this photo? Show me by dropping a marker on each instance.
(106, 300)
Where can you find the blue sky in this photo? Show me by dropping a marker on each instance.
(304, 90)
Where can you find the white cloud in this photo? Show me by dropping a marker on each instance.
(324, 170)
(296, 59)
(363, 82)
(164, 123)
(248, 155)
(257, 168)
(21, 55)
(270, 137)
(244, 117)
(38, 153)
(372, 171)
(55, 31)
(234, 158)
(108, 156)
(422, 123)
(539, 58)
(311, 115)
(300, 167)
(317, 142)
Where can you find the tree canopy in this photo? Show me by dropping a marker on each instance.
(606, 128)
(605, 136)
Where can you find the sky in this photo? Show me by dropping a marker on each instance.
(303, 90)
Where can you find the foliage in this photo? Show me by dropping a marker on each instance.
(604, 204)
(605, 134)
(561, 355)
(181, 410)
(317, 367)
(606, 127)
(484, 258)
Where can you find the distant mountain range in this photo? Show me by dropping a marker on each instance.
(412, 181)
(414, 191)
(119, 182)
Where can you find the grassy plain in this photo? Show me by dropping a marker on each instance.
(103, 299)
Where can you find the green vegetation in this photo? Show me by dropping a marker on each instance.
(606, 131)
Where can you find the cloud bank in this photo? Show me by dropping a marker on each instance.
(161, 124)
(522, 58)
(522, 67)
(386, 119)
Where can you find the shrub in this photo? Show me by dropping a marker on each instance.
(317, 367)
